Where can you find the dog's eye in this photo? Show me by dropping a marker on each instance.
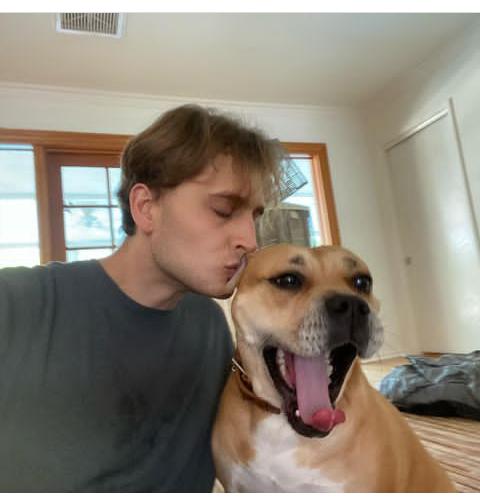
(292, 281)
(363, 283)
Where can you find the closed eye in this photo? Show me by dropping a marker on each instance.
(223, 214)
(288, 281)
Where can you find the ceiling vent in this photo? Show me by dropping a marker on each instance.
(91, 23)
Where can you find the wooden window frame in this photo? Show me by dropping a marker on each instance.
(55, 161)
(49, 143)
(323, 188)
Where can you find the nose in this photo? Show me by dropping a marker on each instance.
(246, 236)
(348, 320)
(342, 306)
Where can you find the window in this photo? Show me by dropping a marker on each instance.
(305, 197)
(317, 194)
(19, 238)
(84, 206)
(91, 216)
(58, 196)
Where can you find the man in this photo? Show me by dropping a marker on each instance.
(110, 370)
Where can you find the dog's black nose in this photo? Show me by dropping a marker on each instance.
(342, 305)
(348, 321)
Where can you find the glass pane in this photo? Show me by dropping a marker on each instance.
(84, 186)
(18, 147)
(19, 256)
(19, 242)
(18, 221)
(84, 254)
(17, 176)
(115, 176)
(305, 197)
(118, 233)
(87, 227)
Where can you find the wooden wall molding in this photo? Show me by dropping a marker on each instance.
(66, 141)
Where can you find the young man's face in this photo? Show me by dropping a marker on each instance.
(204, 227)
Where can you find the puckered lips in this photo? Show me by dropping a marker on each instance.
(234, 271)
(309, 386)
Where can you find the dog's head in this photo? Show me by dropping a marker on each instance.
(302, 316)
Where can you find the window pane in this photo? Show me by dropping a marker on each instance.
(17, 173)
(305, 197)
(84, 186)
(84, 254)
(19, 256)
(18, 221)
(19, 242)
(115, 177)
(87, 227)
(118, 233)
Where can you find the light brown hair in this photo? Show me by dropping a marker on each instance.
(179, 144)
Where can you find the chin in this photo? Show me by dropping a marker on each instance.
(220, 291)
(224, 295)
(223, 291)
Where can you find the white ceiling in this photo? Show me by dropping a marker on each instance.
(319, 59)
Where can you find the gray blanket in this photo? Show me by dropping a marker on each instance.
(444, 386)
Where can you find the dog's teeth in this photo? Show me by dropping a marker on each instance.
(281, 363)
(280, 356)
(297, 413)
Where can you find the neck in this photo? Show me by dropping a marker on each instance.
(245, 386)
(134, 270)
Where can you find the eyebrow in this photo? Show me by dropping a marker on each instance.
(297, 260)
(238, 201)
(350, 262)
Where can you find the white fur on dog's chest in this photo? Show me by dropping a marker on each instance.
(275, 468)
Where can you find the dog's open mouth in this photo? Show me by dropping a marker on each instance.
(310, 386)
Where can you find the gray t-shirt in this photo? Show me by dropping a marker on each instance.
(99, 393)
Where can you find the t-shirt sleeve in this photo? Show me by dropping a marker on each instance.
(7, 325)
(22, 305)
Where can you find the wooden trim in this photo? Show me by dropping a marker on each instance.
(432, 354)
(323, 188)
(327, 191)
(57, 234)
(43, 205)
(83, 159)
(308, 148)
(66, 141)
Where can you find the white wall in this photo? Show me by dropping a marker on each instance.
(341, 129)
(453, 72)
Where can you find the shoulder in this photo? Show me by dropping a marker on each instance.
(206, 314)
(204, 305)
(22, 281)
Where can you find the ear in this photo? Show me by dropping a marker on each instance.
(141, 203)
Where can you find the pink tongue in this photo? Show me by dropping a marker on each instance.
(314, 404)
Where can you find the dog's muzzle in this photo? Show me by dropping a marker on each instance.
(347, 322)
(311, 377)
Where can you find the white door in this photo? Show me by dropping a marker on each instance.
(440, 245)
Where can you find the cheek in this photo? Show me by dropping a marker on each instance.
(183, 228)
(261, 317)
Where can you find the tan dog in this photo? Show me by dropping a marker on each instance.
(310, 421)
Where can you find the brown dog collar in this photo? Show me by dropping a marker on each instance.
(246, 388)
